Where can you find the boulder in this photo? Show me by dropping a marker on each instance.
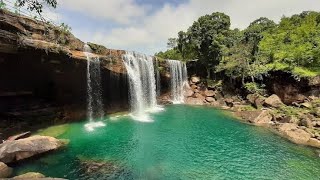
(188, 93)
(258, 117)
(193, 86)
(30, 175)
(251, 98)
(289, 119)
(229, 102)
(105, 169)
(194, 101)
(306, 122)
(195, 80)
(5, 171)
(210, 99)
(258, 102)
(295, 134)
(16, 150)
(209, 93)
(273, 101)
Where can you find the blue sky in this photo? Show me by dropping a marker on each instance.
(145, 25)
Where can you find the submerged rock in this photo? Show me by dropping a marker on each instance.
(30, 175)
(5, 171)
(102, 169)
(16, 150)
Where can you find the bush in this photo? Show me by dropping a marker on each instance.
(254, 88)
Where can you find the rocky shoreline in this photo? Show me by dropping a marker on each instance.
(23, 146)
(299, 122)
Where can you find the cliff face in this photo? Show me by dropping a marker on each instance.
(43, 74)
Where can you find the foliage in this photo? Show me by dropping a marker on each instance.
(36, 5)
(170, 54)
(2, 5)
(254, 88)
(64, 31)
(96, 48)
(294, 43)
(292, 46)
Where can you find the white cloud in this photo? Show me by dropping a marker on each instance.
(120, 11)
(149, 32)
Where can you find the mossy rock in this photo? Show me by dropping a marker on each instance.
(54, 131)
(97, 49)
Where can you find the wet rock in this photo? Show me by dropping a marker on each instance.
(209, 93)
(195, 80)
(102, 169)
(16, 150)
(5, 171)
(273, 101)
(19, 136)
(30, 175)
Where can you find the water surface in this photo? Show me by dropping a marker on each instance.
(183, 142)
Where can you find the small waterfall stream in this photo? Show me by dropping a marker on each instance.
(94, 91)
(142, 85)
(158, 77)
(179, 80)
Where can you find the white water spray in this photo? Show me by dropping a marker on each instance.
(142, 85)
(179, 80)
(94, 91)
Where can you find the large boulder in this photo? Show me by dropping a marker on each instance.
(273, 101)
(5, 171)
(297, 135)
(258, 117)
(16, 150)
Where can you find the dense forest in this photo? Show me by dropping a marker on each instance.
(292, 46)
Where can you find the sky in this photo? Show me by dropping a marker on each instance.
(146, 25)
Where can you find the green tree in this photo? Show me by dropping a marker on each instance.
(36, 5)
(208, 38)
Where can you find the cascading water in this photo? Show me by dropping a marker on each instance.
(179, 80)
(158, 78)
(94, 91)
(142, 85)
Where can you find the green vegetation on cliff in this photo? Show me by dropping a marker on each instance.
(292, 46)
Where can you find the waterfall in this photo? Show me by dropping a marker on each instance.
(94, 91)
(179, 80)
(142, 85)
(158, 78)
